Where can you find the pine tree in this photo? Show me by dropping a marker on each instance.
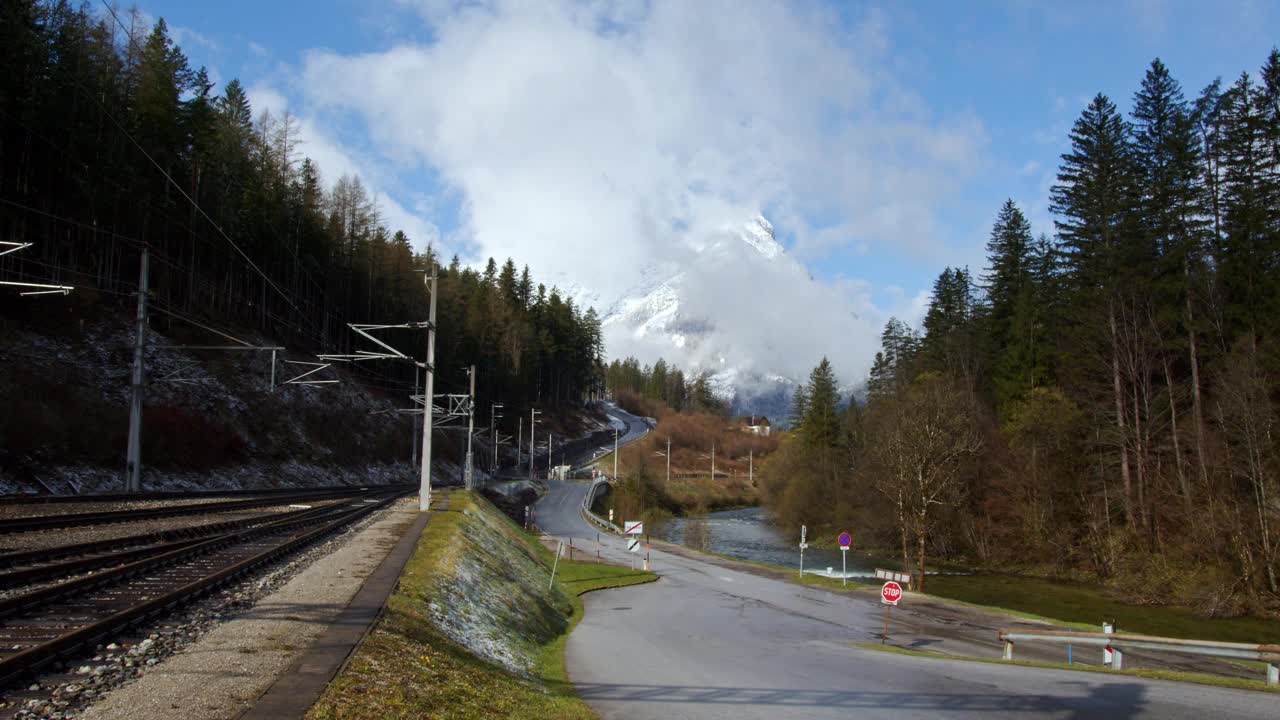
(1247, 262)
(1093, 200)
(821, 423)
(1168, 163)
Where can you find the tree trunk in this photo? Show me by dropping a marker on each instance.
(902, 522)
(921, 532)
(1183, 483)
(1197, 408)
(1120, 422)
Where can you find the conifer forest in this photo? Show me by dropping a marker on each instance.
(110, 141)
(1100, 400)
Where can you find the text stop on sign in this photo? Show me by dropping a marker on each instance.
(890, 593)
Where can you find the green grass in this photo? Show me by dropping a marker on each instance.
(1197, 678)
(406, 668)
(1071, 605)
(1088, 606)
(578, 578)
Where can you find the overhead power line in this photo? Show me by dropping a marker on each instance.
(178, 187)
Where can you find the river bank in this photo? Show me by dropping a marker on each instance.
(746, 534)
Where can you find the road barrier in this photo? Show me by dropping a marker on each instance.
(1119, 643)
(592, 517)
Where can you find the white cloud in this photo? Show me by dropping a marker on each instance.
(591, 139)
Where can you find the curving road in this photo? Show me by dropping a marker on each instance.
(708, 641)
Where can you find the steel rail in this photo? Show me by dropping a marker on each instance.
(44, 564)
(50, 522)
(36, 499)
(34, 658)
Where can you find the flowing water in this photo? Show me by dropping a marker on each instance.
(748, 534)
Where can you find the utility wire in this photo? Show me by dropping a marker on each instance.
(178, 187)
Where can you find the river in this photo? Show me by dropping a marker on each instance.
(748, 534)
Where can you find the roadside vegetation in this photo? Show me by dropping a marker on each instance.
(473, 629)
(645, 490)
(1101, 401)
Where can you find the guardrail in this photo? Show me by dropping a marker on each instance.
(1118, 643)
(591, 516)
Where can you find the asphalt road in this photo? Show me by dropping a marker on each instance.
(710, 642)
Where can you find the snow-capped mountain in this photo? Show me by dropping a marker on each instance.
(727, 306)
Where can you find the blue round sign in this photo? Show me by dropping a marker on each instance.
(845, 540)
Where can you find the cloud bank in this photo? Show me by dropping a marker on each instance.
(594, 139)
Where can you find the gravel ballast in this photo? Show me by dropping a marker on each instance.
(215, 658)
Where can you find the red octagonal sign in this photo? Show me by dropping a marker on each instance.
(891, 593)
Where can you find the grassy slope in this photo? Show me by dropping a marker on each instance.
(408, 667)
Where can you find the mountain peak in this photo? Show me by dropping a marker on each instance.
(758, 233)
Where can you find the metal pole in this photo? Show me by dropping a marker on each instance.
(520, 444)
(668, 461)
(615, 453)
(533, 421)
(844, 568)
(751, 467)
(413, 438)
(133, 466)
(273, 373)
(713, 461)
(548, 456)
(424, 492)
(885, 635)
(467, 480)
(493, 435)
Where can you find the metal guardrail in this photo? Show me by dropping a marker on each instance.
(1118, 643)
(591, 516)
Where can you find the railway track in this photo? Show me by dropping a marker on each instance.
(26, 567)
(37, 499)
(66, 520)
(43, 625)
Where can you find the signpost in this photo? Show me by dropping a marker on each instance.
(845, 542)
(803, 545)
(633, 547)
(633, 527)
(890, 594)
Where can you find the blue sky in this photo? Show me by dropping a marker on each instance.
(919, 118)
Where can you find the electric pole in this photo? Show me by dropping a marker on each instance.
(493, 431)
(133, 466)
(424, 491)
(533, 420)
(467, 472)
(413, 438)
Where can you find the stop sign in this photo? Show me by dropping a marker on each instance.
(891, 593)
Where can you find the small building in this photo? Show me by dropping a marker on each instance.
(755, 424)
